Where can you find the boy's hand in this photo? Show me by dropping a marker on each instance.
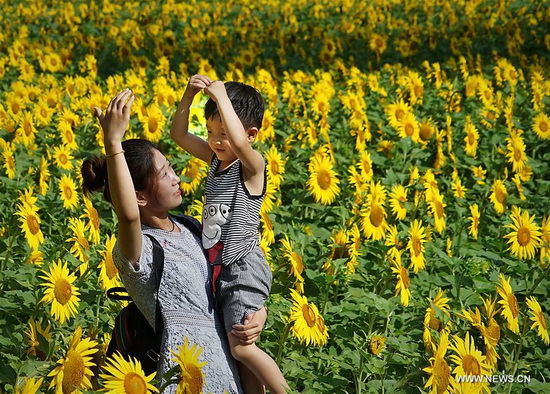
(216, 90)
(196, 84)
(116, 117)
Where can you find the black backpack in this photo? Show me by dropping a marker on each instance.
(132, 334)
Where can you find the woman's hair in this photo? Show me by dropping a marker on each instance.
(141, 163)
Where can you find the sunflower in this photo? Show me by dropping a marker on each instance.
(80, 246)
(295, 260)
(26, 131)
(510, 308)
(30, 224)
(378, 44)
(195, 171)
(431, 322)
(270, 198)
(373, 220)
(437, 209)
(539, 320)
(31, 386)
(63, 157)
(268, 126)
(525, 234)
(516, 152)
(541, 126)
(108, 273)
(396, 111)
(8, 153)
(398, 197)
(267, 228)
(192, 377)
(498, 196)
(308, 325)
(67, 188)
(322, 182)
(474, 218)
(439, 370)
(470, 362)
(402, 287)
(545, 242)
(74, 371)
(426, 130)
(479, 174)
(275, 165)
(36, 257)
(124, 376)
(377, 344)
(36, 335)
(408, 126)
(92, 226)
(354, 236)
(417, 238)
(43, 176)
(365, 165)
(153, 123)
(459, 190)
(471, 139)
(60, 292)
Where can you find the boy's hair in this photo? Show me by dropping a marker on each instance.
(247, 103)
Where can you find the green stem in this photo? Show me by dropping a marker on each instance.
(282, 340)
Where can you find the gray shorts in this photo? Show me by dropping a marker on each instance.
(243, 287)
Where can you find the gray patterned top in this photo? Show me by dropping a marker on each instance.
(186, 304)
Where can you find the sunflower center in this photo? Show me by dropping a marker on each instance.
(69, 136)
(399, 113)
(491, 116)
(193, 380)
(417, 246)
(493, 332)
(471, 139)
(542, 320)
(441, 373)
(32, 222)
(153, 124)
(324, 180)
(425, 132)
(404, 277)
(524, 236)
(439, 209)
(274, 166)
(73, 371)
(543, 126)
(309, 315)
(470, 365)
(517, 155)
(434, 323)
(409, 129)
(110, 268)
(68, 193)
(513, 303)
(62, 291)
(63, 159)
(134, 384)
(376, 215)
(27, 127)
(499, 195)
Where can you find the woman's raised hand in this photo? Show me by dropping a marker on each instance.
(114, 121)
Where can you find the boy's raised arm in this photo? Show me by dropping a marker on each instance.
(240, 140)
(179, 131)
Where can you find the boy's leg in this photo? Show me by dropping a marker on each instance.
(249, 382)
(260, 364)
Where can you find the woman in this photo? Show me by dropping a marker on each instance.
(143, 188)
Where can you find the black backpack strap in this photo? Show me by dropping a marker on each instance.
(158, 262)
(118, 293)
(191, 223)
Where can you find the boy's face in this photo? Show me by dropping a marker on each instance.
(217, 139)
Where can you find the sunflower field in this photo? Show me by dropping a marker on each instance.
(407, 216)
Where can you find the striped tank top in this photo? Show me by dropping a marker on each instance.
(231, 216)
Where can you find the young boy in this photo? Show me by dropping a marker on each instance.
(234, 192)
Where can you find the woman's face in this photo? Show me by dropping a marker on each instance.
(167, 194)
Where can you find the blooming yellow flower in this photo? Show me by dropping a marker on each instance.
(322, 182)
(498, 196)
(417, 238)
(525, 235)
(192, 377)
(510, 308)
(308, 325)
(539, 320)
(126, 376)
(60, 292)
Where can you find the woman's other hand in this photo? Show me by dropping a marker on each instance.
(114, 121)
